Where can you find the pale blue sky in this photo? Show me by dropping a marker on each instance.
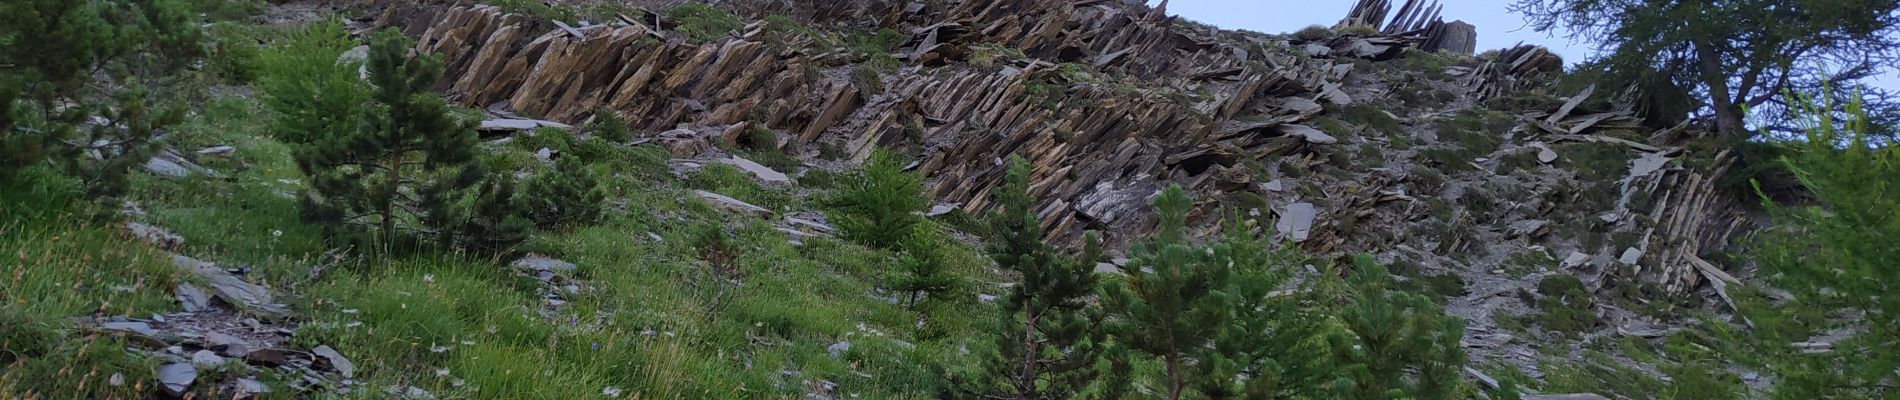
(1497, 28)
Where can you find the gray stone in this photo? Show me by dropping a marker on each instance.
(1528, 227)
(1296, 221)
(1544, 153)
(206, 359)
(838, 349)
(1576, 259)
(731, 204)
(543, 263)
(941, 209)
(227, 345)
(155, 236)
(191, 297)
(1630, 256)
(800, 222)
(1307, 133)
(519, 125)
(764, 173)
(1301, 105)
(353, 55)
(1572, 396)
(140, 328)
(220, 150)
(247, 387)
(408, 392)
(246, 296)
(335, 360)
(1648, 163)
(166, 167)
(176, 377)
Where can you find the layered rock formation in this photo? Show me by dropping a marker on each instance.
(1356, 144)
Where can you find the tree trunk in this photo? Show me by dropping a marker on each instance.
(394, 180)
(1728, 115)
(1026, 383)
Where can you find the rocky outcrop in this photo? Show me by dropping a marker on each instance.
(1462, 164)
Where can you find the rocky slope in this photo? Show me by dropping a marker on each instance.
(1474, 170)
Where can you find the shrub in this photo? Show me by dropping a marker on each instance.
(495, 224)
(309, 92)
(1313, 33)
(608, 125)
(407, 162)
(568, 196)
(1373, 118)
(875, 48)
(67, 62)
(1048, 326)
(923, 264)
(878, 205)
(1566, 305)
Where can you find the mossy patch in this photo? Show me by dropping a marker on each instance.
(1565, 304)
(703, 22)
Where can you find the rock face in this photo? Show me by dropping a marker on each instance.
(1353, 146)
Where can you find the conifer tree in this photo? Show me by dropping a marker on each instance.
(1394, 332)
(1172, 301)
(880, 204)
(568, 196)
(1264, 337)
(494, 224)
(68, 64)
(405, 163)
(923, 265)
(1049, 337)
(1835, 256)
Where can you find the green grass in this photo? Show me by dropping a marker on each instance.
(61, 263)
(1372, 118)
(729, 180)
(702, 22)
(1565, 305)
(1469, 135)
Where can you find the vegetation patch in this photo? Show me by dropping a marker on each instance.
(703, 22)
(1373, 118)
(1565, 304)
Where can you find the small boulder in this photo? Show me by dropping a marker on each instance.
(764, 173)
(328, 356)
(731, 204)
(220, 151)
(176, 377)
(1296, 221)
(537, 262)
(191, 297)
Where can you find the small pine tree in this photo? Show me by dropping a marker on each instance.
(879, 205)
(1836, 257)
(568, 196)
(406, 163)
(1263, 337)
(1173, 301)
(494, 225)
(923, 263)
(310, 93)
(1049, 337)
(71, 63)
(1393, 332)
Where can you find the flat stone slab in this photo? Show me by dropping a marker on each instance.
(1296, 221)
